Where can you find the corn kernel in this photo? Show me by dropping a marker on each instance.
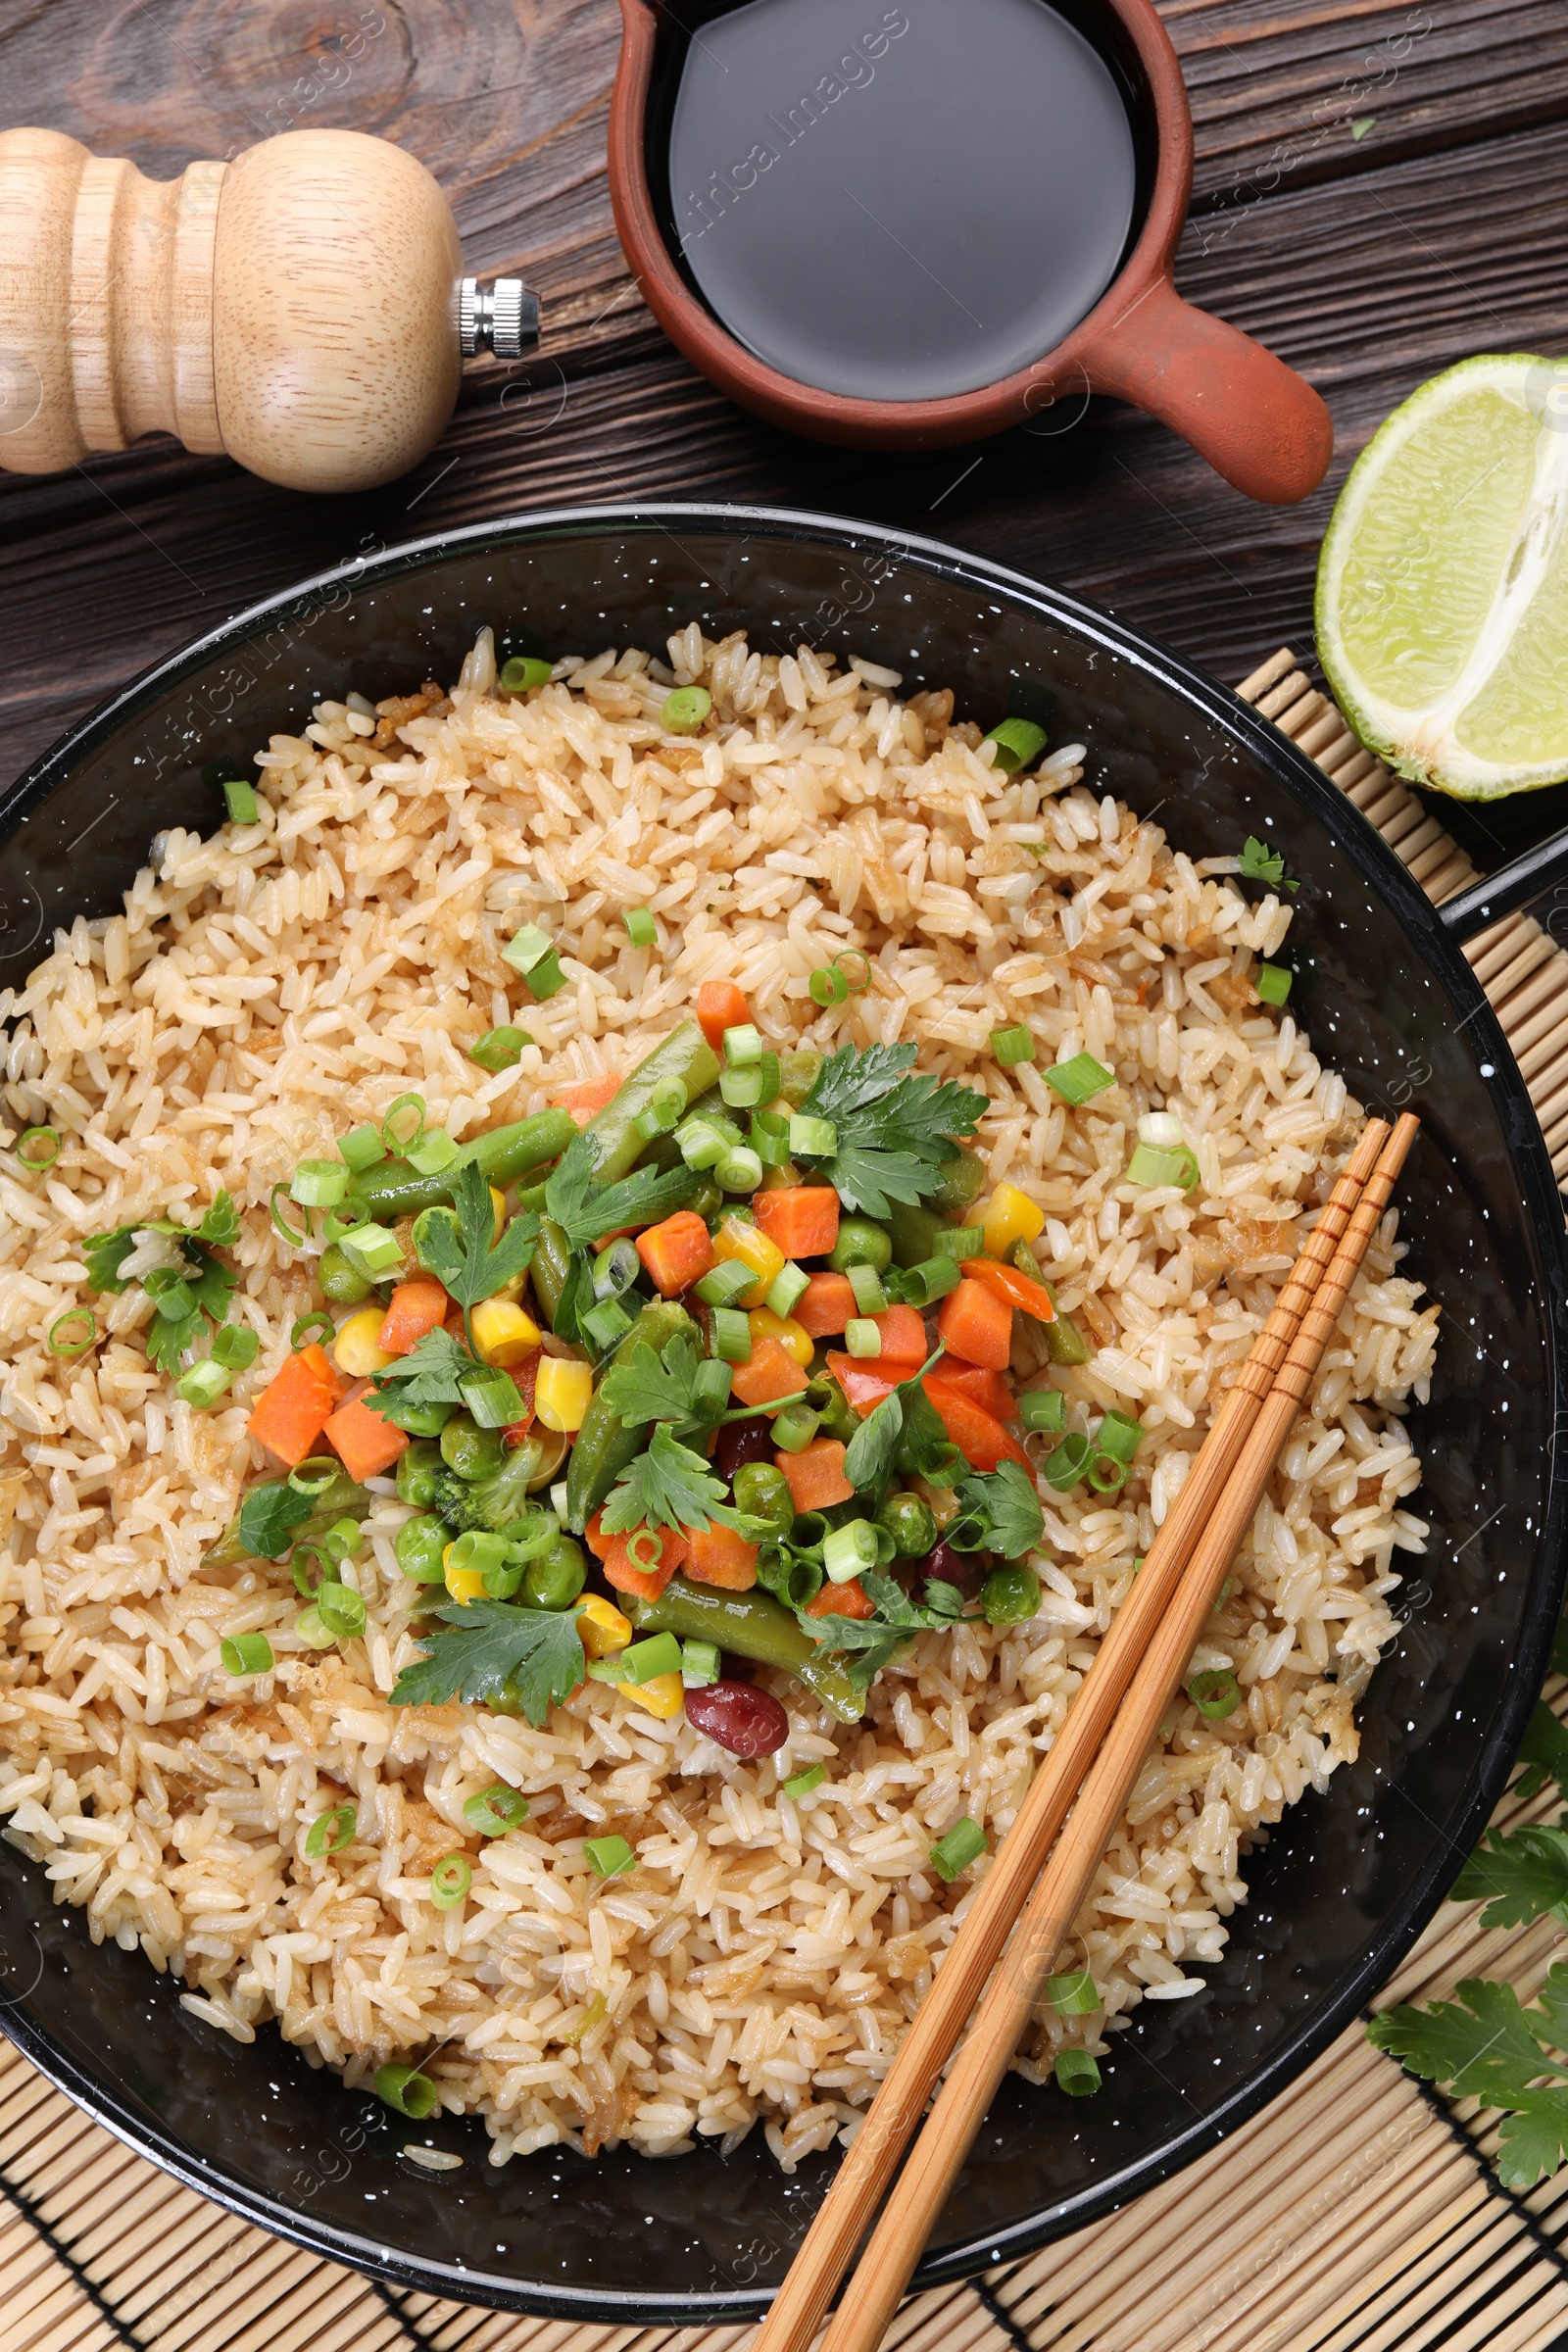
(463, 1584)
(663, 1697)
(1010, 1216)
(498, 1210)
(600, 1627)
(763, 1324)
(355, 1351)
(502, 1333)
(562, 1391)
(752, 1246)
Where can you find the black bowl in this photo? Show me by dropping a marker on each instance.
(1345, 1883)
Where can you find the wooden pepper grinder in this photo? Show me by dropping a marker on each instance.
(302, 309)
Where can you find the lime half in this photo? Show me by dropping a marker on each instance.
(1442, 585)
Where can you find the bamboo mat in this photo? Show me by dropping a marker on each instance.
(1359, 2213)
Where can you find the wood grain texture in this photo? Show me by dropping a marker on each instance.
(1367, 263)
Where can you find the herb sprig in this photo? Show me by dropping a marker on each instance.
(1259, 863)
(586, 1211)
(461, 1251)
(201, 1286)
(531, 1658)
(894, 1131)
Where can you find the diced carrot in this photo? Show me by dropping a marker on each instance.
(903, 1334)
(720, 1006)
(677, 1252)
(585, 1098)
(865, 1379)
(803, 1219)
(988, 1389)
(976, 1326)
(296, 1405)
(979, 1436)
(523, 1376)
(842, 1600)
(771, 1376)
(825, 1306)
(413, 1308)
(816, 1475)
(1029, 1297)
(720, 1557)
(646, 1583)
(594, 1535)
(364, 1444)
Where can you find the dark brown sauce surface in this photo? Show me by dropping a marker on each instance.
(901, 204)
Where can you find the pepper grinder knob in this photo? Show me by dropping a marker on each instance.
(302, 309)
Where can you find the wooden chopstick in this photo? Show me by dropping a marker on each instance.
(867, 2168)
(1047, 1921)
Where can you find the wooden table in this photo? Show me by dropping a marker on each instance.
(1381, 190)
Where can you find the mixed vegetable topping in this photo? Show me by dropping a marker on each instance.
(700, 1397)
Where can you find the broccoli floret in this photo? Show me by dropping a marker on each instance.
(488, 1503)
(457, 1502)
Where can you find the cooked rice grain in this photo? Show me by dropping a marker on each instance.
(267, 988)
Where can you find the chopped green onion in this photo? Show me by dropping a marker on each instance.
(1066, 1466)
(312, 1631)
(666, 1109)
(314, 1473)
(1042, 1408)
(494, 1810)
(645, 1548)
(683, 711)
(616, 1268)
(547, 979)
(431, 1154)
(1072, 1994)
(856, 982)
(1154, 1166)
(491, 1396)
(923, 1285)
(83, 1320)
(606, 1324)
(499, 1049)
(701, 1146)
(953, 1854)
(362, 1147)
(29, 1149)
(771, 1142)
(1076, 2073)
(526, 948)
(317, 1325)
(204, 1383)
(450, 1881)
(710, 1387)
(750, 1088)
(341, 1610)
(281, 1225)
(300, 1561)
(787, 1289)
(609, 1857)
(729, 1334)
(828, 985)
(847, 1549)
(959, 1241)
(406, 2089)
(330, 1833)
(641, 929)
(794, 1428)
(870, 1297)
(1215, 1695)
(392, 1136)
(246, 1653)
(342, 1539)
(1118, 1436)
(743, 1045)
(237, 1346)
(372, 1250)
(1017, 742)
(804, 1782)
(819, 1139)
(723, 1283)
(1161, 1127)
(319, 1183)
(1273, 982)
(1077, 1081)
(523, 673)
(643, 1660)
(1012, 1044)
(740, 1170)
(862, 1336)
(239, 798)
(701, 1664)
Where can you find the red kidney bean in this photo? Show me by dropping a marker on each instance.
(736, 1715)
(968, 1570)
(740, 1443)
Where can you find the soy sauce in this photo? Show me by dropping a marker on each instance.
(898, 204)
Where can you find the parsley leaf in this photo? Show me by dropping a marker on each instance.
(267, 1518)
(894, 1131)
(1008, 1509)
(530, 1658)
(1534, 2138)
(211, 1281)
(168, 1339)
(432, 1373)
(106, 1254)
(869, 1454)
(586, 1211)
(666, 1387)
(1259, 863)
(668, 1486)
(872, 1642)
(462, 1250)
(1482, 2042)
(1544, 1749)
(1520, 1875)
(905, 1432)
(943, 1600)
(221, 1223)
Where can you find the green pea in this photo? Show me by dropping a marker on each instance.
(1010, 1595)
(797, 1069)
(861, 1244)
(424, 1420)
(763, 1492)
(910, 1523)
(419, 1546)
(707, 1199)
(472, 1453)
(959, 1181)
(419, 1468)
(340, 1282)
(839, 1418)
(555, 1580)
